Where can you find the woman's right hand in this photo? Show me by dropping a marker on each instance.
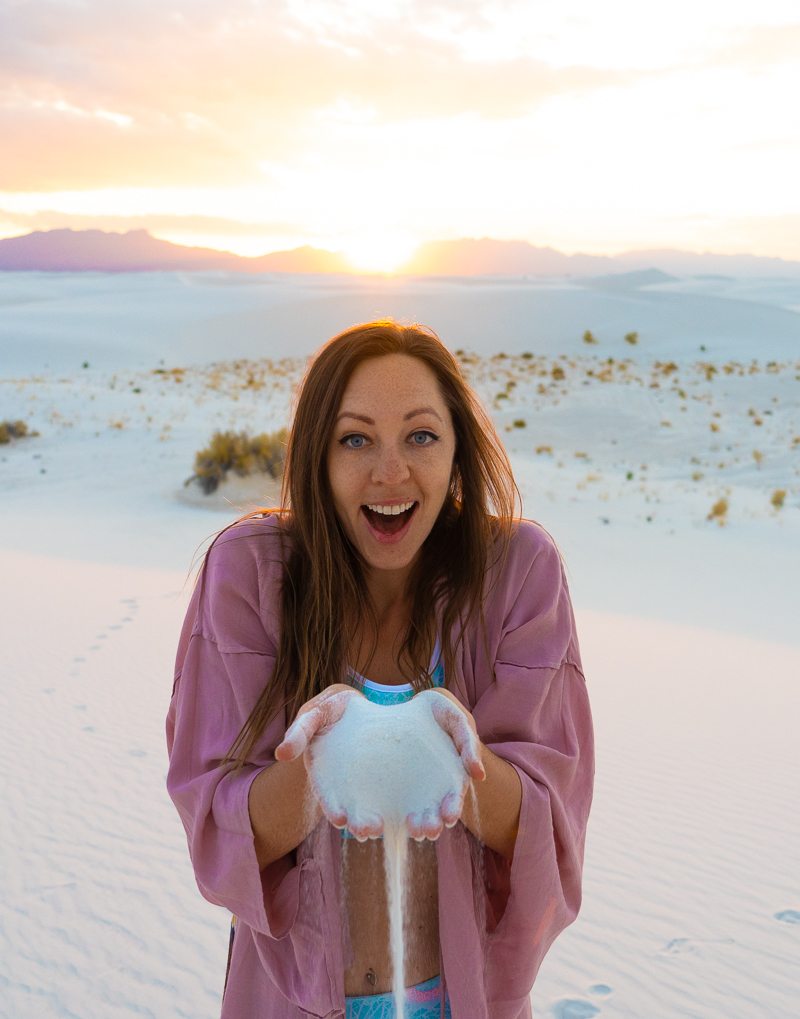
(314, 718)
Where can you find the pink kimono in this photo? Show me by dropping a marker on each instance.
(496, 919)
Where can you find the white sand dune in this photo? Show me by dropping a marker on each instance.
(688, 625)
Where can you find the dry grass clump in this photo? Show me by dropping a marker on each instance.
(778, 497)
(241, 454)
(719, 511)
(14, 430)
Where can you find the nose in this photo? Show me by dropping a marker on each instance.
(390, 466)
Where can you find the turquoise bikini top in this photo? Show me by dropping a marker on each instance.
(388, 693)
(396, 693)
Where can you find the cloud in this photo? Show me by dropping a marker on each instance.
(139, 96)
(759, 47)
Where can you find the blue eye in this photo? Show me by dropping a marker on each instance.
(420, 438)
(352, 441)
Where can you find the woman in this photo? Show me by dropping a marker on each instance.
(395, 556)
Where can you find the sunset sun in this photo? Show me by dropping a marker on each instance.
(378, 253)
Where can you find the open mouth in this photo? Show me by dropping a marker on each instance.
(389, 523)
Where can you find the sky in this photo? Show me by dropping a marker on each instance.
(372, 126)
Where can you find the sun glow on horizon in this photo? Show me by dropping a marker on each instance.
(379, 253)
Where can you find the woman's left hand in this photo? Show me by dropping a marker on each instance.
(451, 715)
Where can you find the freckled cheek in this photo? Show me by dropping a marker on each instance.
(347, 484)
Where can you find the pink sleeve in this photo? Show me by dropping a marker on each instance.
(225, 658)
(536, 715)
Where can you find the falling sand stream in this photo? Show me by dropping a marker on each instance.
(388, 761)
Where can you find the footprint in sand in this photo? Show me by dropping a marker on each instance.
(694, 945)
(600, 989)
(87, 728)
(132, 606)
(574, 1008)
(788, 916)
(138, 753)
(678, 945)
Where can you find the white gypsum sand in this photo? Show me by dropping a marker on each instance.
(395, 855)
(388, 761)
(687, 625)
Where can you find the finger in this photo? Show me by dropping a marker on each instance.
(298, 736)
(414, 826)
(431, 824)
(365, 827)
(335, 813)
(425, 824)
(455, 724)
(327, 710)
(451, 808)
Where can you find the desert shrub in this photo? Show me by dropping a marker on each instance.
(13, 430)
(719, 511)
(241, 454)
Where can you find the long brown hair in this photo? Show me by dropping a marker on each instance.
(324, 595)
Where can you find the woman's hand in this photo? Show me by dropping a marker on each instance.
(458, 723)
(322, 712)
(315, 717)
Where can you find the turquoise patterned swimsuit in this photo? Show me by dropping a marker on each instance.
(422, 1000)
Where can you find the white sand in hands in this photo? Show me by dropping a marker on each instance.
(386, 761)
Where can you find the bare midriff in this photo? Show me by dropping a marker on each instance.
(364, 896)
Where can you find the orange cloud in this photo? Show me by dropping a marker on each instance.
(206, 98)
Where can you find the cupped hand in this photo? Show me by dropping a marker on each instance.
(451, 716)
(314, 717)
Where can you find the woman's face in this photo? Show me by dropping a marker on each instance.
(391, 448)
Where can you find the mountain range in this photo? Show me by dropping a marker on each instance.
(138, 251)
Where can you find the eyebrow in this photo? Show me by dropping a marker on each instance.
(406, 417)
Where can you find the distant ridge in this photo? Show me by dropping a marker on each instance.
(487, 257)
(628, 280)
(138, 251)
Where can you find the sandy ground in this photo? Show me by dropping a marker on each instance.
(687, 614)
